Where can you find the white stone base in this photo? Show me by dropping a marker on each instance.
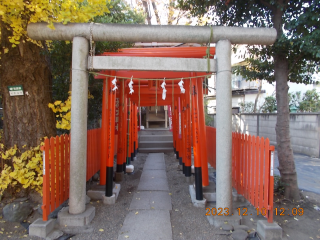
(109, 200)
(40, 228)
(195, 202)
(129, 168)
(75, 220)
(269, 230)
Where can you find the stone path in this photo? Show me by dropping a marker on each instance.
(149, 216)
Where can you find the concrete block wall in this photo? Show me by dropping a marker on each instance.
(304, 129)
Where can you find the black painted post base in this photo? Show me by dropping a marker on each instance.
(119, 167)
(188, 171)
(124, 166)
(198, 183)
(109, 182)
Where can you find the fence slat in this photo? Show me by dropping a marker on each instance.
(249, 169)
(253, 164)
(62, 180)
(261, 159)
(52, 175)
(46, 180)
(266, 173)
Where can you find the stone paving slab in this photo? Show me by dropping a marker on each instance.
(153, 184)
(155, 156)
(154, 173)
(155, 161)
(157, 200)
(146, 225)
(154, 165)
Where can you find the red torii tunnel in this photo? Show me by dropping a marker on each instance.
(188, 120)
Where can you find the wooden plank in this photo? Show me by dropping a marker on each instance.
(46, 180)
(62, 172)
(256, 193)
(261, 183)
(52, 175)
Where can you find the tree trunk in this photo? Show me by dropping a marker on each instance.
(146, 9)
(285, 154)
(27, 118)
(155, 9)
(257, 97)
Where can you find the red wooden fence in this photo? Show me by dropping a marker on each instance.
(252, 169)
(93, 152)
(56, 168)
(211, 146)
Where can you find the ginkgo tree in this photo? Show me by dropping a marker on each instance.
(27, 118)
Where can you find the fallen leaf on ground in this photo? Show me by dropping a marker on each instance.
(288, 235)
(170, 193)
(296, 219)
(152, 207)
(101, 230)
(136, 213)
(177, 210)
(126, 236)
(251, 219)
(318, 236)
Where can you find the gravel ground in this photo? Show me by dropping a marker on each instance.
(187, 221)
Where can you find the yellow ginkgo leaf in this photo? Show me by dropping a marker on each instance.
(101, 230)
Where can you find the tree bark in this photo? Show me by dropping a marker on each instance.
(285, 154)
(156, 12)
(27, 118)
(257, 97)
(146, 9)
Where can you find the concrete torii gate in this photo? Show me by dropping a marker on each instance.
(81, 33)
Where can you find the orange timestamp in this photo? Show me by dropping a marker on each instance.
(262, 211)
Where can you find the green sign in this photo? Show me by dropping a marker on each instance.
(15, 90)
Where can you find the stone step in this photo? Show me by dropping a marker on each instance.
(156, 138)
(155, 131)
(155, 150)
(155, 144)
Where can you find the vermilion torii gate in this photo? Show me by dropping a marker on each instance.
(81, 33)
(147, 92)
